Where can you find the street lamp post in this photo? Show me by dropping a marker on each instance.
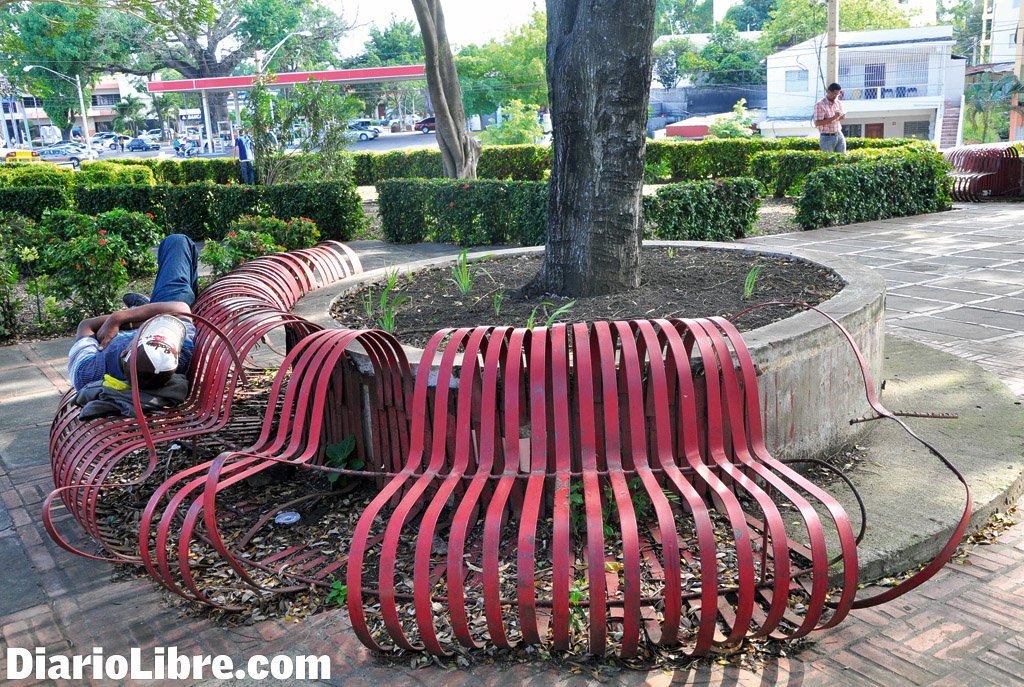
(81, 99)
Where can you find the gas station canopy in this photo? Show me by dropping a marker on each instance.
(232, 83)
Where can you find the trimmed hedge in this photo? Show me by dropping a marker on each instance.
(107, 174)
(33, 201)
(472, 213)
(93, 200)
(192, 171)
(512, 163)
(731, 157)
(469, 213)
(34, 175)
(335, 206)
(911, 183)
(705, 210)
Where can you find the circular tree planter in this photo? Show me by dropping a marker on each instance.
(809, 381)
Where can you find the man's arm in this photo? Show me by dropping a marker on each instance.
(105, 327)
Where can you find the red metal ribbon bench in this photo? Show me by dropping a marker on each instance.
(981, 171)
(604, 482)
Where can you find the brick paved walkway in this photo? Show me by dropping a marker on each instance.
(955, 282)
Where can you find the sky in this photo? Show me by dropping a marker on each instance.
(467, 21)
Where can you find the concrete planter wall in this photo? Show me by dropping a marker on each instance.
(810, 383)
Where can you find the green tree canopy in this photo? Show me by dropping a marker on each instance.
(729, 59)
(750, 15)
(519, 125)
(398, 43)
(510, 69)
(675, 17)
(793, 21)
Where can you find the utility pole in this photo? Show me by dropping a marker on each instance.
(832, 44)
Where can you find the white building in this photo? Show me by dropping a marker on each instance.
(999, 22)
(896, 83)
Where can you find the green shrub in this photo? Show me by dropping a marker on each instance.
(140, 235)
(10, 304)
(236, 249)
(721, 158)
(169, 172)
(108, 174)
(36, 175)
(363, 169)
(187, 209)
(706, 210)
(229, 203)
(298, 232)
(402, 210)
(88, 271)
(528, 216)
(514, 162)
(92, 200)
(33, 202)
(783, 171)
(914, 181)
(335, 206)
(64, 225)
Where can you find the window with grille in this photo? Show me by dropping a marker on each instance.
(796, 81)
(916, 129)
(853, 130)
(107, 99)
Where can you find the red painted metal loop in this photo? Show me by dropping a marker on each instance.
(985, 171)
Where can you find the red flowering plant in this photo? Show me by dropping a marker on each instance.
(87, 273)
(237, 248)
(139, 232)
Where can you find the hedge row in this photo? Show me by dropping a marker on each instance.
(783, 171)
(473, 213)
(722, 158)
(173, 171)
(469, 213)
(91, 174)
(704, 210)
(513, 163)
(912, 183)
(204, 210)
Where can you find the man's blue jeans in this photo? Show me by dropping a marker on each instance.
(248, 173)
(832, 143)
(177, 275)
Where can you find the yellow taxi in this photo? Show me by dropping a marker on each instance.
(21, 156)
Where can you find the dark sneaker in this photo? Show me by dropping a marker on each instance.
(134, 300)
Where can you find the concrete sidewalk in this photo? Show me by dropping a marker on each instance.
(955, 283)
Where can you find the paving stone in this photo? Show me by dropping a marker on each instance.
(932, 323)
(991, 317)
(18, 591)
(25, 447)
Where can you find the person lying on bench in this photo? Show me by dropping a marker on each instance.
(102, 353)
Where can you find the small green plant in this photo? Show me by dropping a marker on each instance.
(341, 456)
(88, 271)
(139, 231)
(464, 273)
(577, 613)
(552, 318)
(389, 303)
(338, 594)
(367, 301)
(671, 253)
(497, 300)
(10, 304)
(750, 282)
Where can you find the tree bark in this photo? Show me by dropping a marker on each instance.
(599, 65)
(459, 150)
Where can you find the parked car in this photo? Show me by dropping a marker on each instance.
(354, 133)
(365, 125)
(425, 125)
(142, 144)
(66, 153)
(154, 133)
(102, 138)
(19, 155)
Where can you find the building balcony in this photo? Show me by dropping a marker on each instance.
(890, 92)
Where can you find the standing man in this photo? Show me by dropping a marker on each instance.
(244, 152)
(828, 113)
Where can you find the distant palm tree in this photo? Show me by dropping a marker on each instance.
(987, 95)
(165, 108)
(128, 113)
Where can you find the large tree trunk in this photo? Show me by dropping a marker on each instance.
(599, 80)
(459, 150)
